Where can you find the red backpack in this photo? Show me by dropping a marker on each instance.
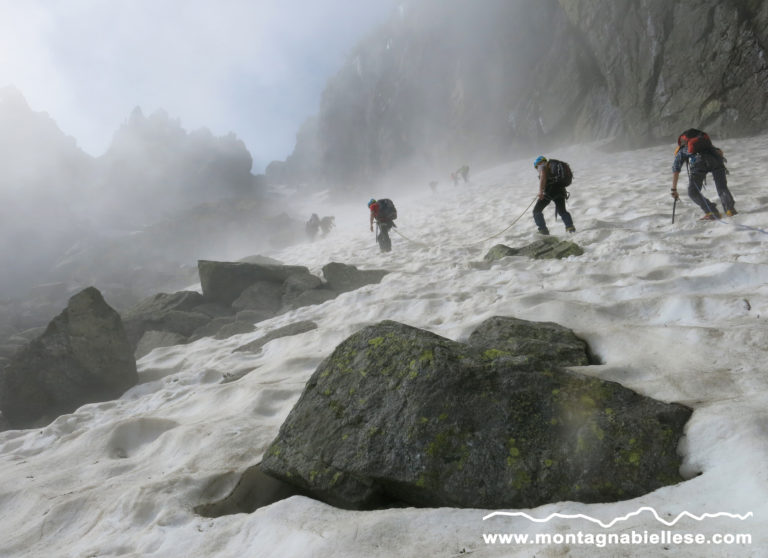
(695, 141)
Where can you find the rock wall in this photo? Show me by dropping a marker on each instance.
(448, 82)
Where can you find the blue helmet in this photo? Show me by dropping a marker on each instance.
(540, 159)
(371, 202)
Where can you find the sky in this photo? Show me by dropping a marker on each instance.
(253, 67)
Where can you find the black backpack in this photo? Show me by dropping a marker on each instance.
(387, 211)
(560, 173)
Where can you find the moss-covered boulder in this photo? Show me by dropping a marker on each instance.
(545, 248)
(398, 414)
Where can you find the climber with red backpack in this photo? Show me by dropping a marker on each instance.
(383, 211)
(554, 177)
(695, 148)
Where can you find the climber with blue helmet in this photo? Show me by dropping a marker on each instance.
(554, 177)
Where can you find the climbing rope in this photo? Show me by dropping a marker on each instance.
(479, 241)
(408, 239)
(510, 225)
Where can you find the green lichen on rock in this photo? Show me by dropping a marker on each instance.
(545, 248)
(401, 414)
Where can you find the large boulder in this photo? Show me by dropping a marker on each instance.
(398, 414)
(342, 277)
(83, 356)
(224, 282)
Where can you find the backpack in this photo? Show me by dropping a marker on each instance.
(387, 211)
(695, 141)
(560, 173)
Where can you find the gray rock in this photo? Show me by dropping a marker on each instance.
(398, 414)
(83, 356)
(545, 248)
(262, 296)
(342, 277)
(151, 340)
(291, 329)
(235, 328)
(253, 316)
(173, 312)
(214, 310)
(224, 282)
(222, 328)
(259, 259)
(299, 283)
(499, 251)
(546, 342)
(309, 298)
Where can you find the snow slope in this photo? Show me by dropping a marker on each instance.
(675, 311)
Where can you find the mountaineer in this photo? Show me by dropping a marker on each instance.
(384, 213)
(695, 148)
(554, 177)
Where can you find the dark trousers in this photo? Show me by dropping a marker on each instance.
(696, 183)
(382, 235)
(559, 199)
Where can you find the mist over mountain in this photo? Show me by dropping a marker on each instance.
(133, 221)
(448, 82)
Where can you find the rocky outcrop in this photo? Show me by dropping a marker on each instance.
(401, 415)
(545, 248)
(292, 329)
(236, 295)
(342, 277)
(83, 356)
(667, 66)
(448, 82)
(224, 282)
(174, 313)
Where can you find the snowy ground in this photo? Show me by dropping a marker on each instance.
(675, 311)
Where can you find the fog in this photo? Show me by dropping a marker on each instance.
(132, 134)
(254, 68)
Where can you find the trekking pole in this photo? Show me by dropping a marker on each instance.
(674, 205)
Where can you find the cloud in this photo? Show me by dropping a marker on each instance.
(255, 68)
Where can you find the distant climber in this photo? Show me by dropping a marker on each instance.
(384, 213)
(326, 224)
(695, 148)
(433, 185)
(554, 177)
(312, 226)
(462, 172)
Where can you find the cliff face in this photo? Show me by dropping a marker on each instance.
(447, 82)
(671, 65)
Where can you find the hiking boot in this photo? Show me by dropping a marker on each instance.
(710, 217)
(731, 212)
(570, 229)
(544, 231)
